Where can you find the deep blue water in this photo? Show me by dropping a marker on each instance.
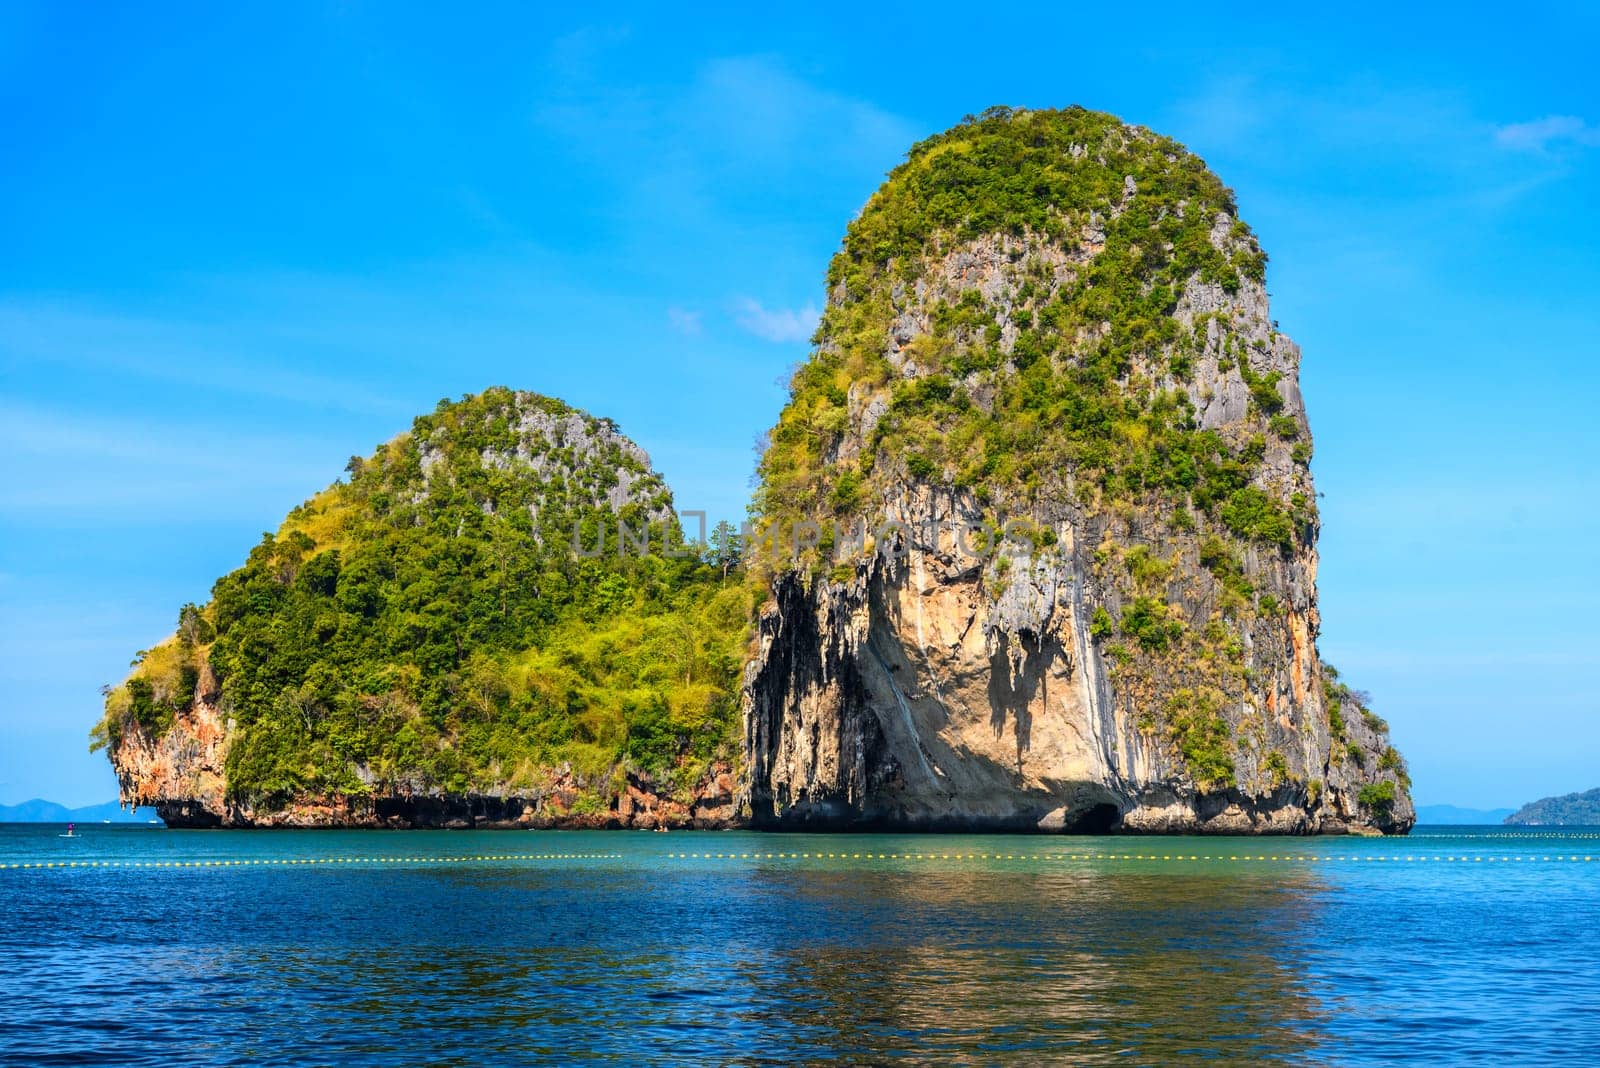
(401, 948)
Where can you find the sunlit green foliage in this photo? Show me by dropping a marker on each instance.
(428, 625)
(1194, 724)
(1067, 396)
(1219, 558)
(1277, 769)
(1250, 513)
(1151, 623)
(1100, 625)
(1378, 798)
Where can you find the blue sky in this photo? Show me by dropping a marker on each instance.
(239, 244)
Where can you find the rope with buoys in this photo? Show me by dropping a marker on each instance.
(1197, 858)
(281, 862)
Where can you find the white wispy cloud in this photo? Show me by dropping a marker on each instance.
(1251, 119)
(742, 112)
(64, 464)
(224, 357)
(776, 324)
(1547, 134)
(690, 150)
(755, 108)
(1392, 160)
(686, 322)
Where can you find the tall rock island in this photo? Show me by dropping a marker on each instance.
(1033, 548)
(1048, 384)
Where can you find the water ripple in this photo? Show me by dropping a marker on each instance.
(642, 958)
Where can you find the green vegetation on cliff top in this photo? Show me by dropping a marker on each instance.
(1081, 368)
(427, 624)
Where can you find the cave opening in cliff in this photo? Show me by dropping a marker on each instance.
(1097, 819)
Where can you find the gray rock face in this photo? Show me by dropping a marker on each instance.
(588, 458)
(931, 689)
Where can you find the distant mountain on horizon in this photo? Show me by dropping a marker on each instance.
(1580, 809)
(39, 810)
(1456, 815)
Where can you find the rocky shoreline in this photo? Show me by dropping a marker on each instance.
(639, 808)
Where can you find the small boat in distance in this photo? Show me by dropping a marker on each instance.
(72, 832)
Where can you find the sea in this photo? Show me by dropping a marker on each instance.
(133, 945)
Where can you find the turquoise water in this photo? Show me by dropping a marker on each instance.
(457, 948)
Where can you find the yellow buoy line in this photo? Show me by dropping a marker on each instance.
(286, 862)
(1186, 857)
(1313, 858)
(1509, 834)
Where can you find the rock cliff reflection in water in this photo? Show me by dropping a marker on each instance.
(1362, 957)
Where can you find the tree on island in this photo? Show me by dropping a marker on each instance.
(723, 549)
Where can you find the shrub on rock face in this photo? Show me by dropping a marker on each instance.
(1149, 622)
(1250, 513)
(1377, 798)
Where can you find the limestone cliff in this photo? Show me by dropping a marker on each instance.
(1052, 326)
(1040, 555)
